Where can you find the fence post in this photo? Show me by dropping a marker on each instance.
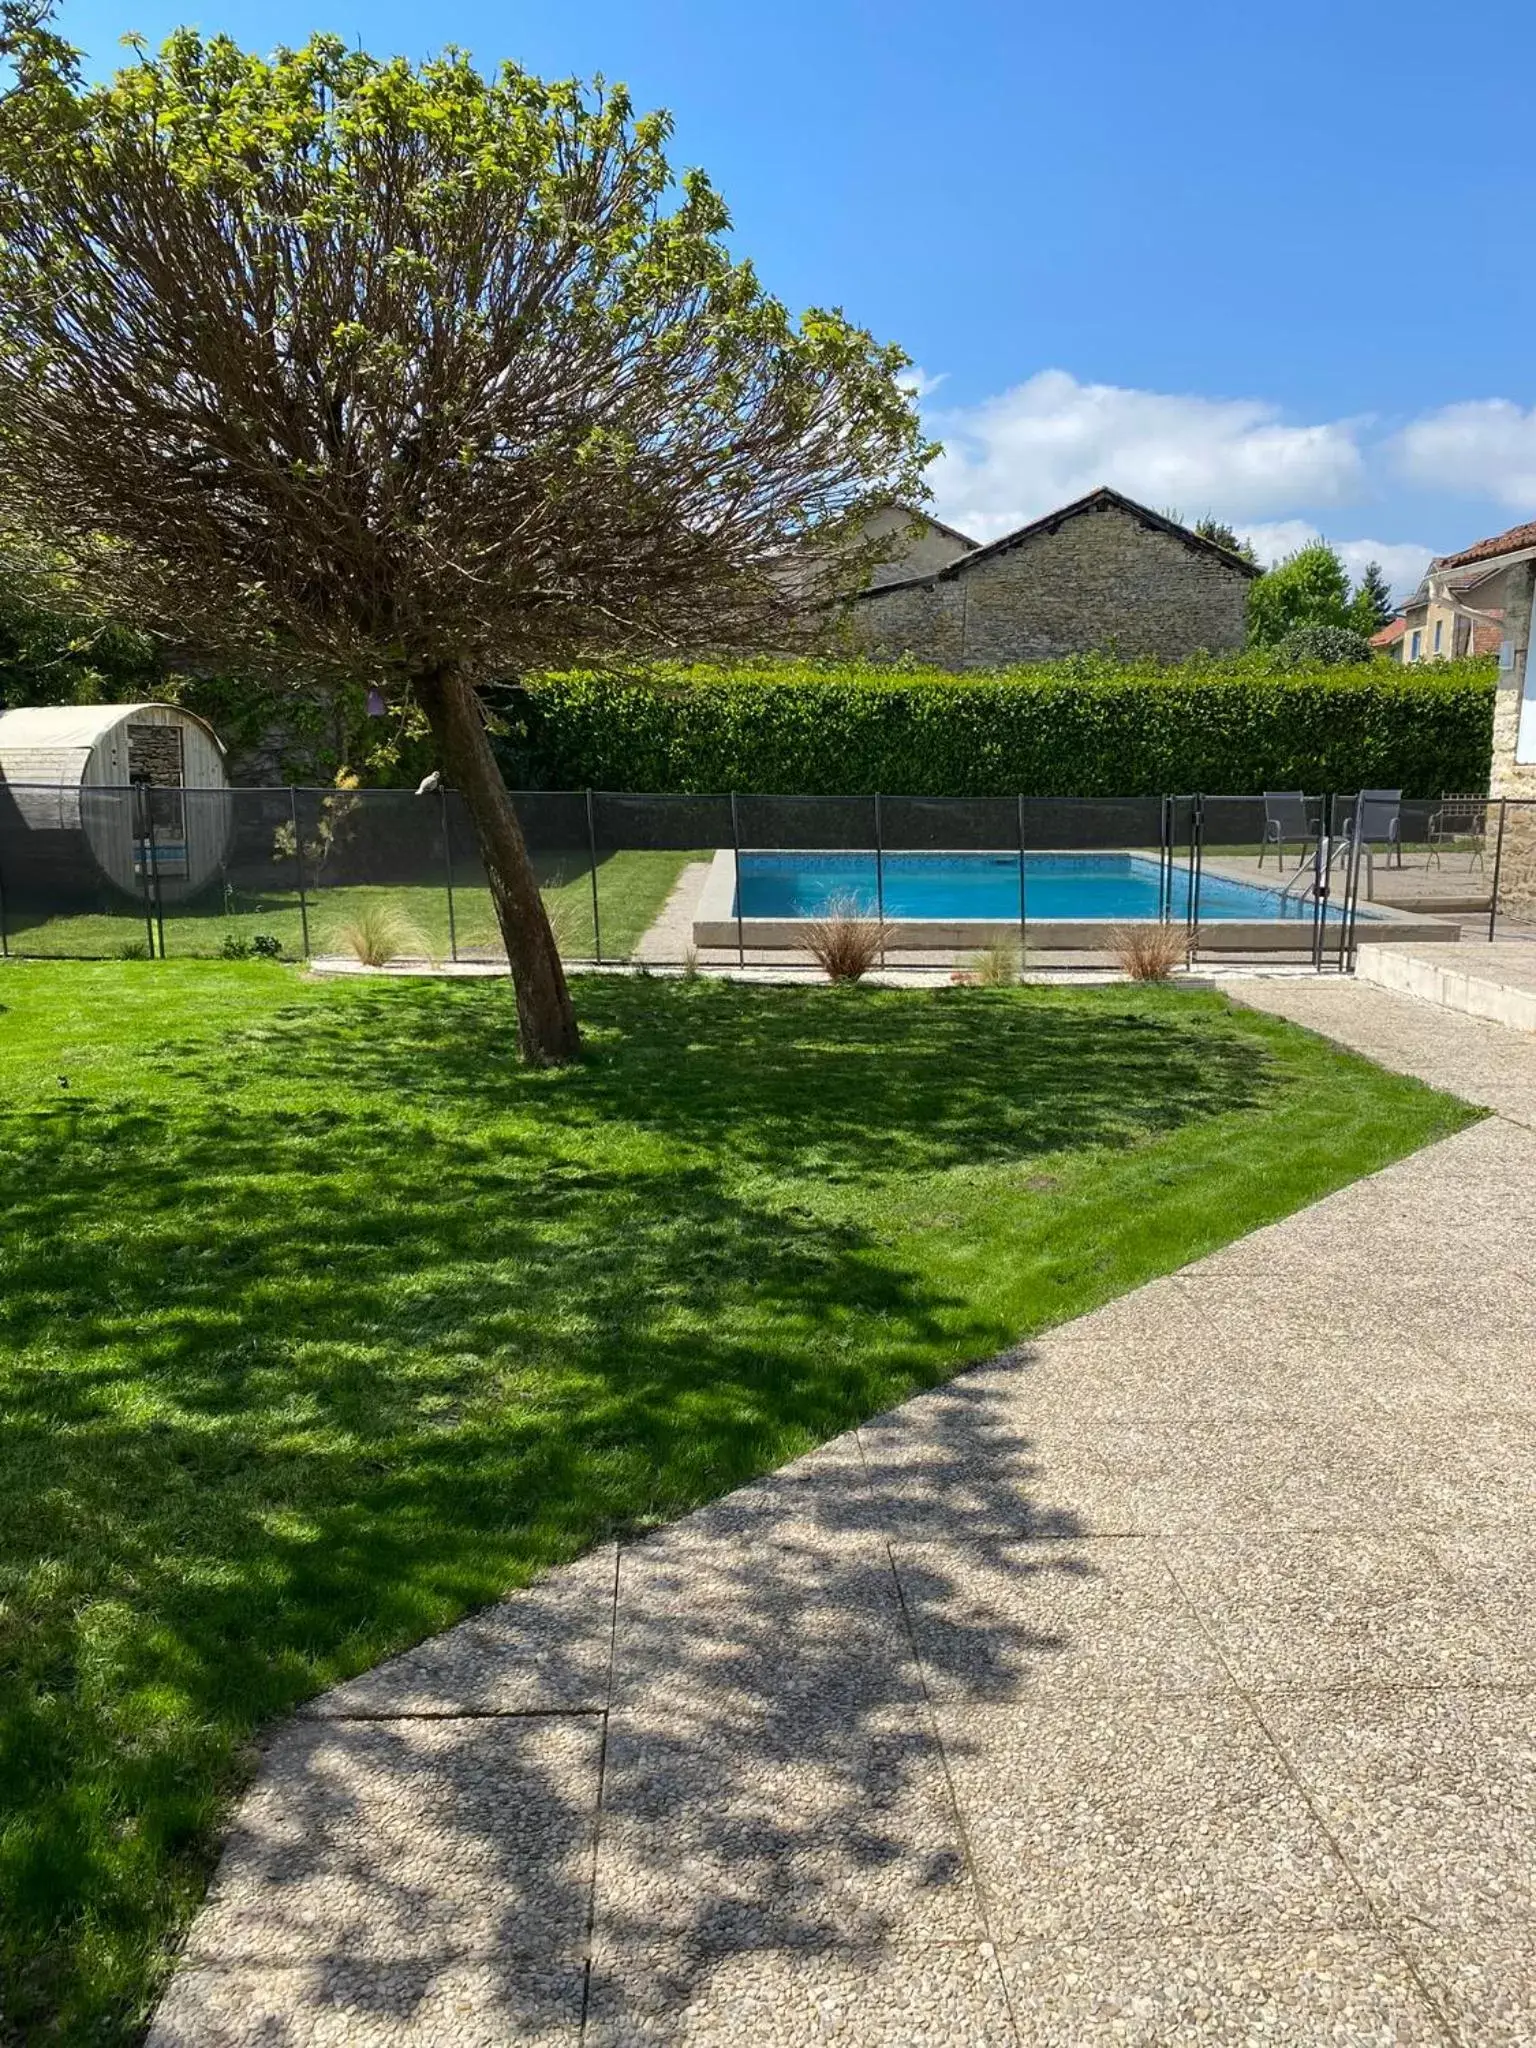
(1196, 864)
(1498, 862)
(453, 928)
(139, 837)
(298, 868)
(5, 937)
(741, 943)
(879, 878)
(1322, 877)
(1349, 910)
(597, 930)
(154, 870)
(1023, 921)
(1164, 859)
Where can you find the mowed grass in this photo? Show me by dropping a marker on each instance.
(632, 886)
(322, 1322)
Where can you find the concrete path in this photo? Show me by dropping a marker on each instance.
(1171, 1679)
(1475, 1059)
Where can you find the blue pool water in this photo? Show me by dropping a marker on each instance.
(1114, 886)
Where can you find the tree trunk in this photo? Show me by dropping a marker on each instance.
(546, 1022)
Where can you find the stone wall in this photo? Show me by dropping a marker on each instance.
(1100, 579)
(1512, 778)
(925, 619)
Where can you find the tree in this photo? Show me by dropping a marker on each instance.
(422, 375)
(1371, 607)
(54, 651)
(1217, 530)
(1309, 588)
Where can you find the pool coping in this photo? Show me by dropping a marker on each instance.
(715, 922)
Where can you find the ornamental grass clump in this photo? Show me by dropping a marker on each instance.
(998, 965)
(845, 944)
(1150, 952)
(378, 935)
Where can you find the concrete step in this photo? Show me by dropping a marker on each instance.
(1497, 981)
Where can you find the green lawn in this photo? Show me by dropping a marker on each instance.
(321, 1322)
(631, 889)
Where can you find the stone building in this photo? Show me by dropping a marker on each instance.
(1102, 573)
(1493, 585)
(919, 544)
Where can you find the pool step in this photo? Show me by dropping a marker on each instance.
(1497, 982)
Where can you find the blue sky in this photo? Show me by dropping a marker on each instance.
(1271, 263)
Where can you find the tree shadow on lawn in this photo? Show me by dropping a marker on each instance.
(846, 1083)
(291, 1386)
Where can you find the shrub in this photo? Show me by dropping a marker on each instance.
(265, 947)
(1150, 952)
(1088, 727)
(845, 944)
(132, 949)
(1322, 647)
(235, 947)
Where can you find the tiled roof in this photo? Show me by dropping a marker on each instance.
(1389, 633)
(1509, 543)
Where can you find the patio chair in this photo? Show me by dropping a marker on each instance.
(1376, 820)
(1461, 822)
(1286, 819)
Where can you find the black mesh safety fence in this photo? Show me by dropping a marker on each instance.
(374, 870)
(665, 867)
(1093, 867)
(804, 861)
(1263, 883)
(388, 875)
(230, 884)
(556, 830)
(73, 882)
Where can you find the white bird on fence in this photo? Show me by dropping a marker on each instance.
(431, 782)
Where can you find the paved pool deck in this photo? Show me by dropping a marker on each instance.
(1169, 1679)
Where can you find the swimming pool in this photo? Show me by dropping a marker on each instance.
(1072, 887)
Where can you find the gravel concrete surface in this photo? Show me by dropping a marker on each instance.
(1170, 1678)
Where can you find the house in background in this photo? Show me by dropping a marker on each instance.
(1460, 612)
(1102, 572)
(1481, 600)
(1491, 588)
(1389, 640)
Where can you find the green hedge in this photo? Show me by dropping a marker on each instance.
(1080, 728)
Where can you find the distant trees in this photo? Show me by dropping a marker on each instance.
(1311, 588)
(1372, 603)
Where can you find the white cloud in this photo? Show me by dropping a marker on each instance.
(1050, 439)
(1483, 446)
(1403, 562)
(918, 382)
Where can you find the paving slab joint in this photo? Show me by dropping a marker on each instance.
(1388, 1930)
(989, 1947)
(602, 1774)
